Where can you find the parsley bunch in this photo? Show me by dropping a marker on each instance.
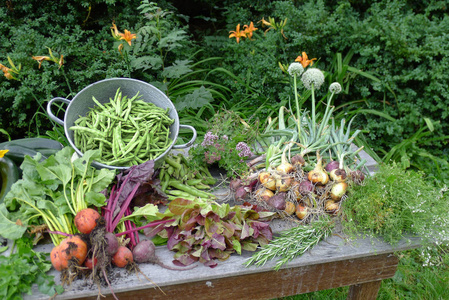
(20, 270)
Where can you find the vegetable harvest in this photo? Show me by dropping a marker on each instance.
(126, 131)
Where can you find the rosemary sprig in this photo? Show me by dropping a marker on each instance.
(293, 243)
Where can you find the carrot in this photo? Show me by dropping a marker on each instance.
(55, 258)
(72, 248)
(86, 220)
(122, 257)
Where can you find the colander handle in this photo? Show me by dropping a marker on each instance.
(50, 114)
(189, 143)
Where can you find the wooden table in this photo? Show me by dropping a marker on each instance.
(333, 263)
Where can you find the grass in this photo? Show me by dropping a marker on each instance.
(422, 274)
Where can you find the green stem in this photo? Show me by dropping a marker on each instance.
(313, 113)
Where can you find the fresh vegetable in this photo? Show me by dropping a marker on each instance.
(55, 258)
(178, 179)
(123, 257)
(86, 220)
(90, 262)
(51, 192)
(145, 252)
(24, 268)
(318, 175)
(277, 201)
(338, 190)
(207, 232)
(126, 131)
(112, 243)
(72, 250)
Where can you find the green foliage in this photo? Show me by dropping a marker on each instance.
(220, 145)
(23, 268)
(394, 203)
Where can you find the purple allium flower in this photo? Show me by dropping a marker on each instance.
(209, 139)
(243, 149)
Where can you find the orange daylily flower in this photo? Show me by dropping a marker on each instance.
(9, 71)
(115, 32)
(237, 33)
(40, 59)
(249, 29)
(304, 60)
(127, 36)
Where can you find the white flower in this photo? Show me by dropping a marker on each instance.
(335, 88)
(295, 69)
(312, 76)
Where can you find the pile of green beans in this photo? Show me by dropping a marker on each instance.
(127, 131)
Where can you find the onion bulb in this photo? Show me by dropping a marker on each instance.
(285, 167)
(338, 190)
(301, 211)
(263, 194)
(283, 183)
(332, 165)
(277, 201)
(267, 180)
(298, 160)
(357, 176)
(331, 206)
(318, 175)
(306, 187)
(289, 208)
(338, 175)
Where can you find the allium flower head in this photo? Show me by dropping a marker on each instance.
(335, 88)
(295, 69)
(312, 76)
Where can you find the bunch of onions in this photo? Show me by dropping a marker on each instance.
(318, 175)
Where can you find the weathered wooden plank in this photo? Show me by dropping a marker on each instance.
(286, 282)
(364, 291)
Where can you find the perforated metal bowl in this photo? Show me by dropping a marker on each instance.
(104, 90)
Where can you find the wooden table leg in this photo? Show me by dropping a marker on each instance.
(364, 291)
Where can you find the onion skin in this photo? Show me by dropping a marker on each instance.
(301, 211)
(263, 194)
(285, 168)
(298, 160)
(277, 201)
(331, 207)
(289, 208)
(332, 166)
(357, 176)
(283, 183)
(338, 190)
(338, 175)
(306, 187)
(318, 177)
(267, 180)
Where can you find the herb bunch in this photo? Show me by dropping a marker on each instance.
(394, 203)
(293, 243)
(227, 144)
(20, 270)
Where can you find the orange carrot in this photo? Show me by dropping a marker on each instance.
(122, 257)
(86, 220)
